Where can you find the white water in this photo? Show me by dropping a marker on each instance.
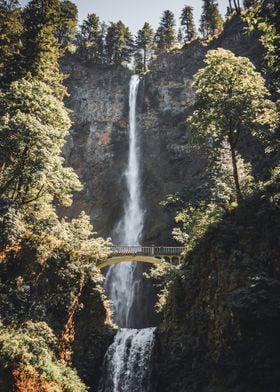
(127, 363)
(120, 284)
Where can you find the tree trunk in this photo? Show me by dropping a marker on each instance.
(237, 6)
(145, 60)
(239, 196)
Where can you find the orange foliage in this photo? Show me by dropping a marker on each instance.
(30, 381)
(68, 334)
(15, 248)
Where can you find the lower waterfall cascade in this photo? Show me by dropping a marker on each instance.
(127, 363)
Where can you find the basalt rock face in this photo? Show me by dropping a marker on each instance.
(221, 320)
(98, 146)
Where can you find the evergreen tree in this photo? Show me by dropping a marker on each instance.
(187, 23)
(90, 39)
(9, 5)
(67, 25)
(11, 31)
(180, 37)
(41, 47)
(249, 3)
(144, 44)
(237, 6)
(165, 36)
(231, 98)
(119, 44)
(211, 19)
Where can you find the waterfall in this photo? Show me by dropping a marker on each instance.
(121, 284)
(127, 363)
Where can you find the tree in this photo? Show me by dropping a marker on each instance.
(187, 22)
(41, 47)
(11, 30)
(165, 36)
(89, 38)
(33, 126)
(237, 6)
(264, 16)
(9, 5)
(180, 37)
(231, 100)
(119, 46)
(145, 43)
(67, 25)
(211, 19)
(249, 3)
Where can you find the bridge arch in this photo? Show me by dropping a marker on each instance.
(137, 259)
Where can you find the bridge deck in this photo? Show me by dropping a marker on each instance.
(123, 250)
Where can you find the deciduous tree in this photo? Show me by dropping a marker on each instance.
(231, 99)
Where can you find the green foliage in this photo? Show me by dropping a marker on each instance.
(80, 242)
(41, 47)
(231, 99)
(32, 347)
(195, 220)
(211, 19)
(90, 39)
(165, 37)
(119, 45)
(67, 25)
(11, 30)
(188, 24)
(11, 224)
(33, 126)
(264, 16)
(144, 46)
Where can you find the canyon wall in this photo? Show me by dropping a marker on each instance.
(98, 145)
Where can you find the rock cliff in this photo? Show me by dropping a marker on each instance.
(98, 145)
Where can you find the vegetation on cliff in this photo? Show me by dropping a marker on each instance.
(221, 307)
(47, 264)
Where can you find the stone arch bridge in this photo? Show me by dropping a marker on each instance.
(144, 254)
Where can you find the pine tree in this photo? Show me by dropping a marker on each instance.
(180, 37)
(165, 36)
(145, 43)
(119, 44)
(41, 47)
(11, 31)
(67, 25)
(9, 5)
(89, 39)
(187, 22)
(211, 19)
(249, 3)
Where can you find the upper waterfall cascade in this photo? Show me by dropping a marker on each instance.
(127, 363)
(121, 284)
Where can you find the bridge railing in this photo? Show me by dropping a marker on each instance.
(123, 250)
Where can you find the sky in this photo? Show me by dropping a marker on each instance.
(134, 13)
